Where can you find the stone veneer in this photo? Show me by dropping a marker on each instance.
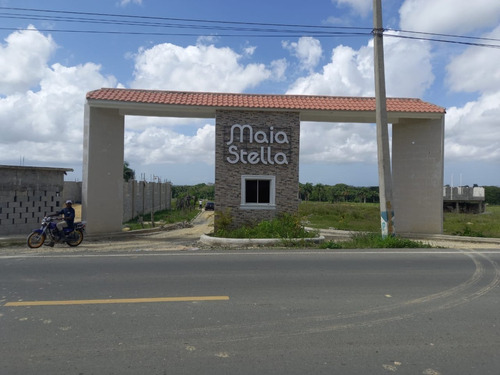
(228, 176)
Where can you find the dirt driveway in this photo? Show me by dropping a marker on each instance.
(183, 238)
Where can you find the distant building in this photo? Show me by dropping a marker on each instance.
(464, 199)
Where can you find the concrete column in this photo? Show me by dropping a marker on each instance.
(102, 188)
(417, 172)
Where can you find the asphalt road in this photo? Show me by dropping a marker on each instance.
(252, 312)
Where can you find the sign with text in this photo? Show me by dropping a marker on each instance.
(253, 147)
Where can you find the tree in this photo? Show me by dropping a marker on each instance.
(128, 173)
(305, 191)
(363, 194)
(492, 194)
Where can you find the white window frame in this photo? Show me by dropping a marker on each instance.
(259, 206)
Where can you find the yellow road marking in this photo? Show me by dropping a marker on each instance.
(117, 300)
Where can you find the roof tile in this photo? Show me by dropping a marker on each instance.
(291, 102)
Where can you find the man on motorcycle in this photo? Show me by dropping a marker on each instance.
(68, 213)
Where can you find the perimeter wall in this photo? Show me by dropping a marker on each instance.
(27, 194)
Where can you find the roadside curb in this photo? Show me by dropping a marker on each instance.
(445, 237)
(249, 242)
(335, 234)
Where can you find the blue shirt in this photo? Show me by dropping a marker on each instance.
(69, 215)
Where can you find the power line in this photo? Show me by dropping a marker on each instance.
(444, 41)
(239, 23)
(447, 35)
(218, 28)
(152, 33)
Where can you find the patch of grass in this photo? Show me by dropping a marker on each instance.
(286, 226)
(341, 216)
(161, 218)
(374, 241)
(469, 232)
(365, 217)
(486, 224)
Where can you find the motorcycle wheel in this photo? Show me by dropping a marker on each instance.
(76, 238)
(35, 240)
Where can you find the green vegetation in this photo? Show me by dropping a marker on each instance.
(341, 216)
(161, 218)
(374, 241)
(356, 217)
(486, 224)
(200, 191)
(492, 195)
(291, 226)
(356, 194)
(366, 217)
(128, 173)
(285, 227)
(338, 193)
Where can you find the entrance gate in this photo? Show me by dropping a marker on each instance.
(417, 150)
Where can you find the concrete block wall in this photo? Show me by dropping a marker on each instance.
(140, 198)
(72, 191)
(27, 194)
(228, 175)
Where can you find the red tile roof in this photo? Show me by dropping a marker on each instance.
(258, 101)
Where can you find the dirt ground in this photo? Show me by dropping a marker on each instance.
(184, 238)
(170, 238)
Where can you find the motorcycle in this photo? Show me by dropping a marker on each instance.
(48, 230)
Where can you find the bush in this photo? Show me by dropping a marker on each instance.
(223, 223)
(286, 226)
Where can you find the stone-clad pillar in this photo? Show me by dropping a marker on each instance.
(256, 143)
(102, 188)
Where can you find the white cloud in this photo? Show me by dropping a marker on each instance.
(362, 7)
(308, 50)
(472, 131)
(195, 68)
(278, 68)
(159, 145)
(449, 16)
(23, 60)
(476, 69)
(348, 73)
(45, 123)
(337, 143)
(408, 71)
(249, 50)
(124, 3)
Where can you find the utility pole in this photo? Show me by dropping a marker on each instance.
(384, 157)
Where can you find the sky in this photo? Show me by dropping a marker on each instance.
(53, 52)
